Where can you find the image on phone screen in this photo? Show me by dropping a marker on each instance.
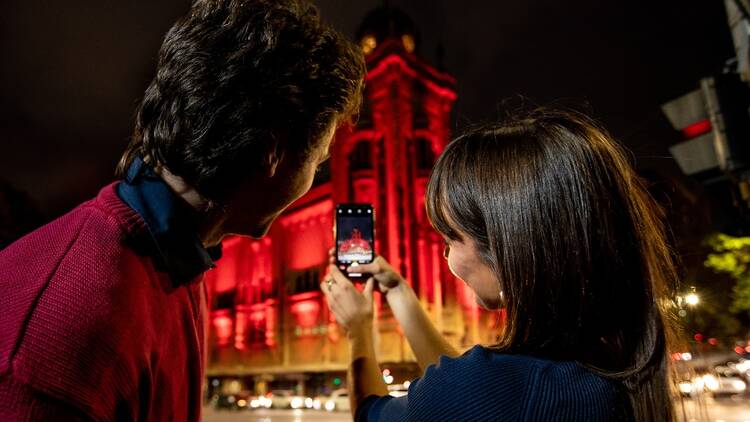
(354, 234)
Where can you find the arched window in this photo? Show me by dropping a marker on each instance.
(307, 280)
(361, 157)
(419, 114)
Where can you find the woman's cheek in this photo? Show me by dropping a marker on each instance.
(459, 270)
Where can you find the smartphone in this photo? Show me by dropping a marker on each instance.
(354, 233)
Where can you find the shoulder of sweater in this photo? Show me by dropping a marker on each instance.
(105, 213)
(470, 386)
(518, 387)
(546, 386)
(117, 210)
(27, 267)
(62, 288)
(481, 369)
(546, 370)
(93, 271)
(482, 357)
(88, 237)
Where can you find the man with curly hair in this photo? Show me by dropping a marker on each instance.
(103, 310)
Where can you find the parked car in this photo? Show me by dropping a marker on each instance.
(715, 384)
(398, 390)
(228, 401)
(688, 388)
(724, 385)
(287, 399)
(318, 402)
(339, 400)
(281, 399)
(300, 402)
(220, 401)
(261, 402)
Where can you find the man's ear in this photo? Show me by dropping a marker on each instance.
(272, 159)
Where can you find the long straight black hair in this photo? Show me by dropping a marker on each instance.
(576, 242)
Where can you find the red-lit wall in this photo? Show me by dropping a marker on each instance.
(267, 313)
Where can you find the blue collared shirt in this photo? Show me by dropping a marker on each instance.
(171, 222)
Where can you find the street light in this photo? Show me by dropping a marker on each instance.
(692, 299)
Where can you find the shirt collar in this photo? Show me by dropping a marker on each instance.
(171, 222)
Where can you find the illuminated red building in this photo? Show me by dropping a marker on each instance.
(268, 316)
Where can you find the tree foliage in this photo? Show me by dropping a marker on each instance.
(731, 255)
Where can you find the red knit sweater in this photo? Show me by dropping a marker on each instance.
(90, 330)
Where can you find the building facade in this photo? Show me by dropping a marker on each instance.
(268, 319)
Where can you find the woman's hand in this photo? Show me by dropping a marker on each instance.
(382, 272)
(352, 308)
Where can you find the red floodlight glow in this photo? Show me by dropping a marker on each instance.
(697, 129)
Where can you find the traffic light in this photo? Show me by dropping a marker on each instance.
(715, 124)
(688, 114)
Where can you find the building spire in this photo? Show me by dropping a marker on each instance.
(387, 23)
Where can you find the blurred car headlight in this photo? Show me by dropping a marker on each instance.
(330, 405)
(711, 382)
(698, 383)
(316, 404)
(686, 387)
(297, 403)
(739, 385)
(309, 403)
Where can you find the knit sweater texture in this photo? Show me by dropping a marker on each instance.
(483, 385)
(90, 330)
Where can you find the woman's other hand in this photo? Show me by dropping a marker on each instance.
(352, 308)
(383, 273)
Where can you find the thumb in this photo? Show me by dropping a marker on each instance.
(369, 286)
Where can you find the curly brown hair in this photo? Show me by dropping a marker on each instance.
(234, 77)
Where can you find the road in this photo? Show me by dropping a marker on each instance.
(273, 415)
(735, 409)
(720, 410)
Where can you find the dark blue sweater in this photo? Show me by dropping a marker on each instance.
(482, 385)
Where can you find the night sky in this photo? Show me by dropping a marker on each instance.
(72, 73)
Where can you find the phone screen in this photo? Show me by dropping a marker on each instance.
(355, 237)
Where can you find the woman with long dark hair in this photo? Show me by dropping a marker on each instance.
(543, 216)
